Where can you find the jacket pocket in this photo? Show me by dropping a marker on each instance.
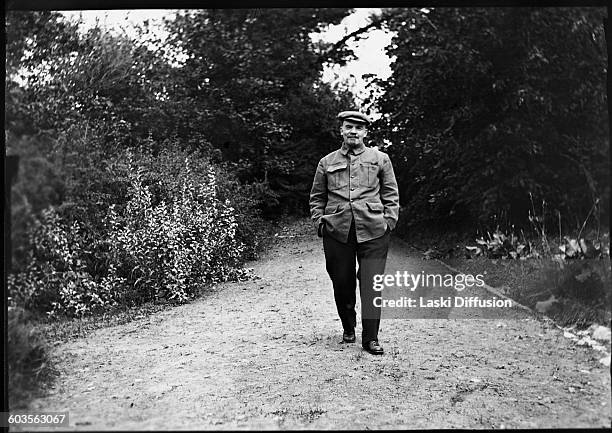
(368, 173)
(332, 209)
(375, 207)
(337, 176)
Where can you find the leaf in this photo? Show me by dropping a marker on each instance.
(584, 275)
(476, 251)
(545, 306)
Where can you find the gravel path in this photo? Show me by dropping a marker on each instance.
(266, 354)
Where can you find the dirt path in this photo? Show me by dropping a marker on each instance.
(265, 354)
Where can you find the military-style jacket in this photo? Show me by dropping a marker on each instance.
(360, 186)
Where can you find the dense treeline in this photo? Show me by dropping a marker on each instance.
(146, 165)
(492, 111)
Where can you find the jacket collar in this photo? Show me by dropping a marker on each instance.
(344, 149)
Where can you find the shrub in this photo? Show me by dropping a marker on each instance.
(27, 358)
(70, 171)
(164, 170)
(503, 246)
(56, 279)
(251, 228)
(149, 248)
(170, 249)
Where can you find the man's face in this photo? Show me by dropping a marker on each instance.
(353, 133)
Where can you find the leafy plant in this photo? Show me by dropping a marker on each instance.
(28, 360)
(167, 247)
(56, 279)
(502, 246)
(173, 248)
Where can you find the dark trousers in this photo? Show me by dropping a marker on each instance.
(340, 264)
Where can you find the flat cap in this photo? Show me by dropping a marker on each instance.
(354, 116)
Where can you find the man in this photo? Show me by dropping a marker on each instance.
(354, 203)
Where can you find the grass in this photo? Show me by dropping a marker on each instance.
(311, 413)
(305, 414)
(67, 328)
(530, 281)
(581, 284)
(28, 360)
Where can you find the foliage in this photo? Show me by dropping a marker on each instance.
(33, 41)
(569, 277)
(499, 245)
(242, 84)
(152, 247)
(252, 229)
(56, 278)
(255, 73)
(27, 358)
(579, 289)
(75, 102)
(173, 248)
(71, 171)
(539, 243)
(583, 249)
(488, 104)
(110, 83)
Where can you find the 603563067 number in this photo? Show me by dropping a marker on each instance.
(39, 419)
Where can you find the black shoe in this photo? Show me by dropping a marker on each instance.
(348, 336)
(373, 347)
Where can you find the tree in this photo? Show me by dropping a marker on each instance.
(33, 41)
(488, 105)
(252, 81)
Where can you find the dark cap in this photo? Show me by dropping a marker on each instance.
(354, 116)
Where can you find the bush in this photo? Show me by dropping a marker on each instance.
(27, 358)
(56, 278)
(246, 200)
(70, 171)
(172, 248)
(164, 169)
(172, 236)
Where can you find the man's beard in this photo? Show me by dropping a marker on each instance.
(353, 143)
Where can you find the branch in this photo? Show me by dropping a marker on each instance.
(374, 24)
(429, 21)
(589, 179)
(452, 123)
